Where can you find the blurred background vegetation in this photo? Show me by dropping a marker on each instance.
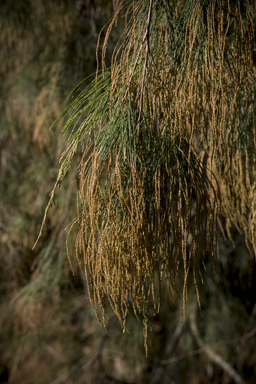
(48, 329)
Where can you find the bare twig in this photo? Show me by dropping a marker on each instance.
(201, 350)
(174, 338)
(251, 323)
(213, 356)
(53, 352)
(60, 379)
(170, 346)
(98, 352)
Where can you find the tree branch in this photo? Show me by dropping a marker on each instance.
(169, 348)
(213, 356)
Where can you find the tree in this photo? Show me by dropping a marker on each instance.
(48, 329)
(168, 142)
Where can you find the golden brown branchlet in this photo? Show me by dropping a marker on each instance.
(180, 87)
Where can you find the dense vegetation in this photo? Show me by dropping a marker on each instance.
(49, 331)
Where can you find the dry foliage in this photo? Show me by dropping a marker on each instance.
(168, 137)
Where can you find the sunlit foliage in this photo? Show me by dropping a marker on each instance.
(180, 91)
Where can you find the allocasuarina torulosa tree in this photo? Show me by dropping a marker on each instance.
(169, 142)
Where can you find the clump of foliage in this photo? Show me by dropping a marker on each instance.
(167, 133)
(48, 329)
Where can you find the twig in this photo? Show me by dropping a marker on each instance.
(98, 352)
(201, 350)
(60, 379)
(138, 55)
(174, 338)
(251, 322)
(53, 351)
(213, 356)
(170, 346)
(146, 36)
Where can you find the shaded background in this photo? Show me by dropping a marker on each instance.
(48, 331)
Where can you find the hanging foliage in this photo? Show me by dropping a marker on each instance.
(168, 140)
